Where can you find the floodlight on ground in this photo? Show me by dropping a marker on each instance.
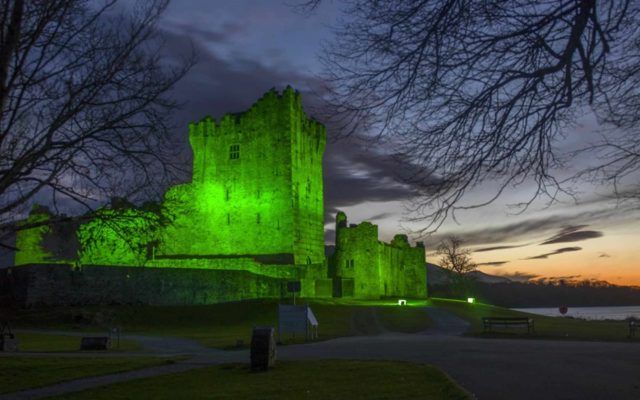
(402, 302)
(471, 300)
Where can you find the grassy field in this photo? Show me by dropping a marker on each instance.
(19, 373)
(223, 325)
(44, 342)
(331, 379)
(545, 327)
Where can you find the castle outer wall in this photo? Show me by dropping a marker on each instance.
(364, 267)
(63, 285)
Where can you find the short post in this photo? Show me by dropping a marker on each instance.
(293, 287)
(8, 341)
(115, 331)
(263, 348)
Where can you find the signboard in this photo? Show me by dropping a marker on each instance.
(297, 319)
(292, 319)
(293, 287)
(312, 317)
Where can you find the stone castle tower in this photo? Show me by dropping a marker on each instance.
(256, 189)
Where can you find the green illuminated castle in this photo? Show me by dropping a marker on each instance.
(250, 220)
(256, 187)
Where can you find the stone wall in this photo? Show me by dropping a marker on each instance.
(402, 269)
(53, 285)
(364, 267)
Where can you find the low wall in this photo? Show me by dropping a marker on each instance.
(48, 284)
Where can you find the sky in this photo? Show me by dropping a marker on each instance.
(245, 48)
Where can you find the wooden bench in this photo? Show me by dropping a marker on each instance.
(508, 322)
(95, 343)
(633, 328)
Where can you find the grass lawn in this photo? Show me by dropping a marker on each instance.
(19, 373)
(44, 342)
(330, 379)
(545, 327)
(223, 325)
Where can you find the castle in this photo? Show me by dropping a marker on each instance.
(250, 220)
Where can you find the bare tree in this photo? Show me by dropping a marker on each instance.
(482, 91)
(84, 111)
(457, 260)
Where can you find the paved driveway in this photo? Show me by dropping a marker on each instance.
(495, 369)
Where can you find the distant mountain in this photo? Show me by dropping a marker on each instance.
(546, 292)
(486, 278)
(437, 275)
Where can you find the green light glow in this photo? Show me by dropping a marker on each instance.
(29, 241)
(369, 268)
(256, 187)
(402, 302)
(118, 237)
(254, 204)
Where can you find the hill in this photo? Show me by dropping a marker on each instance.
(504, 292)
(437, 275)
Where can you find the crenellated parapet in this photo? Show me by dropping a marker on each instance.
(276, 120)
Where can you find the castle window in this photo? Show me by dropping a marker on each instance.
(258, 218)
(234, 152)
(352, 262)
(226, 194)
(228, 219)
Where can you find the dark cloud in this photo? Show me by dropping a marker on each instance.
(604, 255)
(553, 253)
(224, 34)
(354, 175)
(329, 235)
(498, 248)
(559, 279)
(380, 216)
(572, 234)
(215, 85)
(517, 276)
(523, 230)
(493, 263)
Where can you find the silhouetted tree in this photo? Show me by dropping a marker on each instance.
(84, 111)
(481, 91)
(457, 260)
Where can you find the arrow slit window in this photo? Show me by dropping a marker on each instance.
(234, 152)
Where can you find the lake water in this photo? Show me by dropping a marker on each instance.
(621, 312)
